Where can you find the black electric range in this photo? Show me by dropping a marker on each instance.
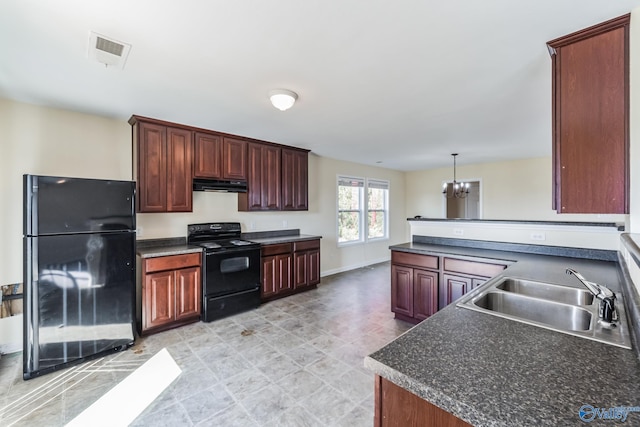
(231, 269)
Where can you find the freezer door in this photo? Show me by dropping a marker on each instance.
(79, 298)
(57, 205)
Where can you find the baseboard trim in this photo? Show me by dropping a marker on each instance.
(354, 266)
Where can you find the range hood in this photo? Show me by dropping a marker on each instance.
(219, 185)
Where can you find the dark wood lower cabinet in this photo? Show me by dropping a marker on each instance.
(414, 293)
(170, 292)
(455, 287)
(397, 407)
(288, 268)
(402, 290)
(276, 274)
(423, 284)
(425, 293)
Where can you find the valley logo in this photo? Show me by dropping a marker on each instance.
(588, 413)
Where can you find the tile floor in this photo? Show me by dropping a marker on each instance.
(298, 363)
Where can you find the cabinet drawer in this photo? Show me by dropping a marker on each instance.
(172, 262)
(472, 267)
(280, 248)
(426, 261)
(306, 245)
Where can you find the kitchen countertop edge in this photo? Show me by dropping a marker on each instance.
(167, 246)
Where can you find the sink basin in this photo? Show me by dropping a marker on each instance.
(548, 291)
(564, 309)
(562, 316)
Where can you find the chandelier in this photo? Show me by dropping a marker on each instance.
(459, 190)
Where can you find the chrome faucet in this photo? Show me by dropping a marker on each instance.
(608, 313)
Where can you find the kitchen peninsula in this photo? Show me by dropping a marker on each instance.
(463, 367)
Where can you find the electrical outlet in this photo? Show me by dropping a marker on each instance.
(537, 236)
(285, 223)
(458, 231)
(252, 225)
(139, 232)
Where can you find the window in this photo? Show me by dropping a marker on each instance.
(377, 208)
(363, 209)
(350, 209)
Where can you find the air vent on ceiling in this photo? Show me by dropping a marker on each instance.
(107, 51)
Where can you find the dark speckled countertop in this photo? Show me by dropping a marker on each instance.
(178, 245)
(491, 371)
(152, 248)
(285, 239)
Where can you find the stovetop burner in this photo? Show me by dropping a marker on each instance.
(210, 245)
(241, 243)
(218, 236)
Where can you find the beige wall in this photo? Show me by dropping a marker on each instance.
(48, 141)
(519, 189)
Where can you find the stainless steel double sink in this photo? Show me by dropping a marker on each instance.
(565, 309)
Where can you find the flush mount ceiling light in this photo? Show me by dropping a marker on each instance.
(459, 190)
(282, 99)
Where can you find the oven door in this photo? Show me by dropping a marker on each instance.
(228, 272)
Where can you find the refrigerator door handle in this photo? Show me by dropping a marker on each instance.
(30, 205)
(31, 315)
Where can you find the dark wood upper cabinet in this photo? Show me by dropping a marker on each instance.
(219, 157)
(168, 156)
(208, 156)
(179, 174)
(295, 180)
(234, 155)
(263, 179)
(150, 151)
(591, 119)
(163, 159)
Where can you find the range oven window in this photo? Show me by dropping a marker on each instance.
(228, 272)
(233, 265)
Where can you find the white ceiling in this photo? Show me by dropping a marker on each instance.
(404, 83)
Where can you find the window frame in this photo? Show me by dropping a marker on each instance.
(362, 201)
(364, 210)
(384, 185)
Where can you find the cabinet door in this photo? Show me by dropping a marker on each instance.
(270, 276)
(208, 156)
(402, 290)
(300, 269)
(314, 267)
(295, 180)
(263, 179)
(425, 293)
(271, 178)
(234, 159)
(591, 119)
(455, 287)
(188, 288)
(159, 299)
(252, 199)
(285, 276)
(179, 170)
(152, 168)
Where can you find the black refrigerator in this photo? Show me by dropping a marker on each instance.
(79, 270)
